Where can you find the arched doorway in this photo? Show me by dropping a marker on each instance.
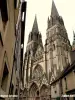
(33, 92)
(44, 93)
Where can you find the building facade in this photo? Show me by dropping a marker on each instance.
(35, 78)
(43, 65)
(10, 31)
(19, 47)
(66, 79)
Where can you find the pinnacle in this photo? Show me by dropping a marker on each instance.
(35, 25)
(54, 11)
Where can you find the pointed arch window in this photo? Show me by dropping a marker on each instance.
(37, 72)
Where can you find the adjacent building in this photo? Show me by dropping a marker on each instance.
(19, 46)
(12, 25)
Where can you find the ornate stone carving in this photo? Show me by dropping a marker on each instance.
(37, 72)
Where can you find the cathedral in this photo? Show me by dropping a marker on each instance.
(43, 64)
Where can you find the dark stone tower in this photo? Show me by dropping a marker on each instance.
(57, 44)
(34, 40)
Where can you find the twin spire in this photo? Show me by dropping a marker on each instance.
(54, 13)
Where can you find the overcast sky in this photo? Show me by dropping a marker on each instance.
(42, 8)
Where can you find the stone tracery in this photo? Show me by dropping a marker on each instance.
(37, 72)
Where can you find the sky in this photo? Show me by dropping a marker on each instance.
(42, 9)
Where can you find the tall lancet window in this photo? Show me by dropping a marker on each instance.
(23, 16)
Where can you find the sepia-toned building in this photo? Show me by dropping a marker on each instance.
(66, 79)
(19, 46)
(46, 72)
(35, 78)
(9, 10)
(44, 64)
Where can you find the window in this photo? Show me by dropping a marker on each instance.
(53, 46)
(4, 13)
(21, 45)
(16, 92)
(37, 36)
(65, 83)
(37, 93)
(23, 16)
(55, 91)
(4, 78)
(15, 3)
(37, 72)
(1, 39)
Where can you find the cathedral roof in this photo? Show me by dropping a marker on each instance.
(54, 11)
(35, 25)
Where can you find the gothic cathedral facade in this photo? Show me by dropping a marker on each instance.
(42, 65)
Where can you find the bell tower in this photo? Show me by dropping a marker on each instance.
(34, 40)
(57, 43)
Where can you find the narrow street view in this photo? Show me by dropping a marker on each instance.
(34, 70)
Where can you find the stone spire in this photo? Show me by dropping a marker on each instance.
(54, 11)
(54, 18)
(35, 26)
(34, 36)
